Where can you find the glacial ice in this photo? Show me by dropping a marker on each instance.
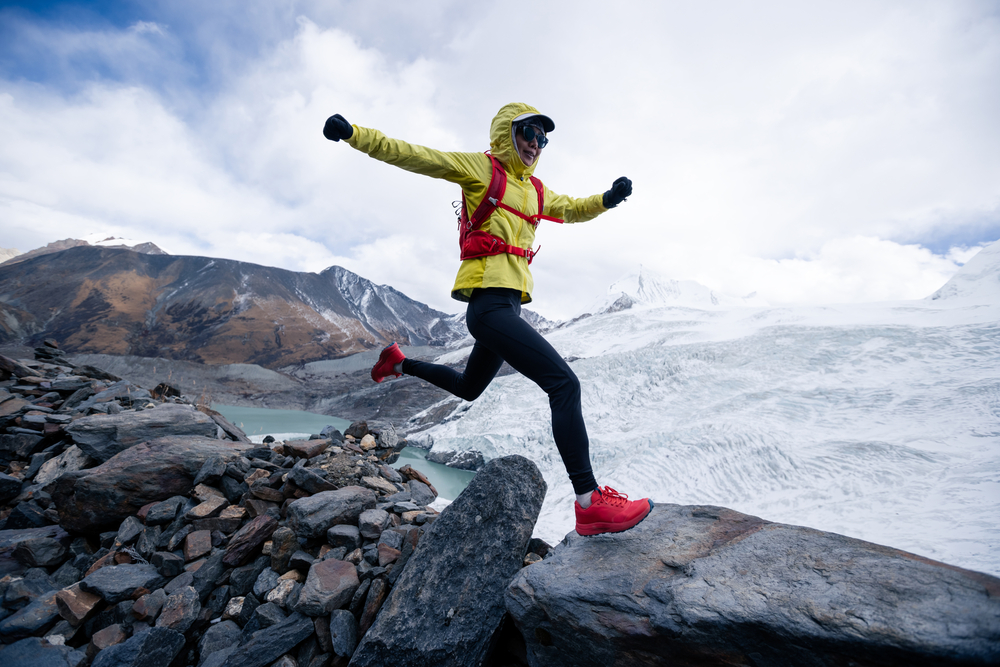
(878, 421)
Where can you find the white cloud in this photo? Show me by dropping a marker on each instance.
(799, 150)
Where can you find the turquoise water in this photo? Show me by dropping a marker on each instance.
(291, 424)
(261, 421)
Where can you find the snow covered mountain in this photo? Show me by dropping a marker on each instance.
(648, 288)
(879, 421)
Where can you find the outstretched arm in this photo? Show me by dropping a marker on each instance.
(571, 209)
(465, 169)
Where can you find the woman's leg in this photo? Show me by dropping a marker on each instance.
(479, 371)
(494, 320)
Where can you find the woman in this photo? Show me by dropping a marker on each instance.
(495, 286)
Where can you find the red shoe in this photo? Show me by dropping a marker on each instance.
(610, 512)
(390, 356)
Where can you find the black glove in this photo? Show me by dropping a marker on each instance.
(620, 189)
(337, 128)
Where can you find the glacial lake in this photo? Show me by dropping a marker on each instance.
(258, 423)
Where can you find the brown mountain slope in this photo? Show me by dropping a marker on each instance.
(115, 301)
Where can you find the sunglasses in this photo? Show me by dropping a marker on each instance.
(534, 133)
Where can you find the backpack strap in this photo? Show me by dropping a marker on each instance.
(475, 243)
(494, 195)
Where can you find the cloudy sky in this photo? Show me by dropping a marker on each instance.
(811, 152)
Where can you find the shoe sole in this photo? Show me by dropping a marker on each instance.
(605, 528)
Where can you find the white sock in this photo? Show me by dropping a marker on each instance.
(584, 499)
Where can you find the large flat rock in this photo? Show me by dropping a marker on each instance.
(701, 585)
(447, 605)
(102, 436)
(104, 496)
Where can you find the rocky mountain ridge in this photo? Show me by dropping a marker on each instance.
(212, 311)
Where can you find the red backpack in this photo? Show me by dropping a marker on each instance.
(476, 243)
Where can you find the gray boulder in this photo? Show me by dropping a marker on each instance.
(699, 585)
(39, 614)
(115, 583)
(311, 517)
(102, 436)
(269, 644)
(330, 585)
(104, 496)
(447, 605)
(156, 646)
(36, 652)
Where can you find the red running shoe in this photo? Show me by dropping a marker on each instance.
(383, 368)
(610, 512)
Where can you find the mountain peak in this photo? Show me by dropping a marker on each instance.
(647, 287)
(978, 280)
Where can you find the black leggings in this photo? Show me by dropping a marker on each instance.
(493, 318)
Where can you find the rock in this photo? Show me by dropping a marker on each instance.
(232, 431)
(71, 460)
(301, 561)
(128, 531)
(76, 605)
(311, 517)
(703, 582)
(387, 554)
(420, 493)
(91, 499)
(119, 582)
(148, 606)
(218, 637)
(285, 594)
(378, 483)
(106, 638)
(271, 643)
(371, 523)
(332, 434)
(283, 545)
(102, 436)
(164, 512)
(180, 610)
(343, 632)
(373, 603)
(265, 582)
(10, 488)
(197, 544)
(384, 434)
(207, 509)
(306, 449)
(156, 646)
(264, 616)
(344, 535)
(330, 585)
(248, 540)
(17, 446)
(208, 576)
(409, 472)
(14, 367)
(367, 443)
(40, 552)
(37, 652)
(240, 609)
(309, 481)
(470, 553)
(39, 614)
(242, 579)
(211, 471)
(166, 563)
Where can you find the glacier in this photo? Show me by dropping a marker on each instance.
(880, 421)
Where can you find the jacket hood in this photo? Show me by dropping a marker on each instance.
(502, 139)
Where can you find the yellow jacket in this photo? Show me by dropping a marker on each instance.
(472, 171)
